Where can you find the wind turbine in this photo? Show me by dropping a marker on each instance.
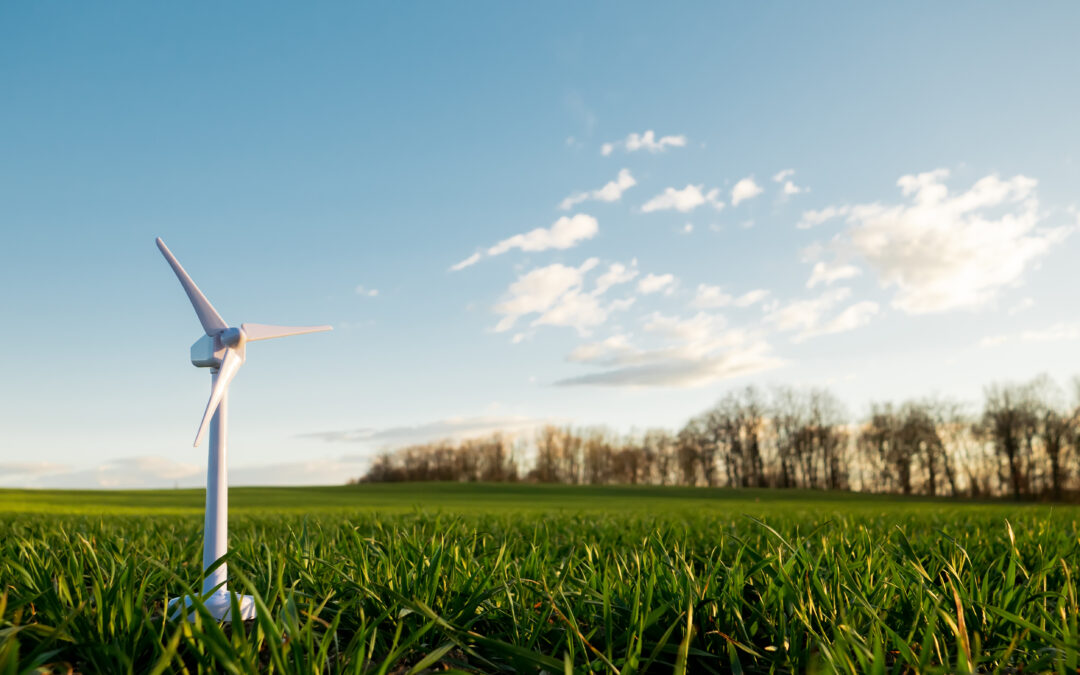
(222, 351)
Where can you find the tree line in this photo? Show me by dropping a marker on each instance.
(1024, 443)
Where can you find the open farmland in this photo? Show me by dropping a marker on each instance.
(524, 578)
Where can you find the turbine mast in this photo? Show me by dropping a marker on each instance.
(216, 525)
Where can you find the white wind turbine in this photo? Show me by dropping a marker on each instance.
(222, 351)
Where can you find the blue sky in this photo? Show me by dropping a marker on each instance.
(291, 156)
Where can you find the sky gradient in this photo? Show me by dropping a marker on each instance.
(606, 213)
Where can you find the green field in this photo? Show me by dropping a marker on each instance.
(524, 578)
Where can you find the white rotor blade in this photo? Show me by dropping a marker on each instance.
(262, 331)
(211, 321)
(229, 365)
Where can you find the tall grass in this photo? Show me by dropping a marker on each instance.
(790, 587)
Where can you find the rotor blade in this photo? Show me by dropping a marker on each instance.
(262, 331)
(211, 321)
(229, 365)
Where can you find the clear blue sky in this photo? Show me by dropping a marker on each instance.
(295, 158)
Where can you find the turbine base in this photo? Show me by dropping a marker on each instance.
(218, 604)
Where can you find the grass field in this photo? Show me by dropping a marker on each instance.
(522, 578)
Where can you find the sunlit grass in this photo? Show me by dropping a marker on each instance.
(395, 579)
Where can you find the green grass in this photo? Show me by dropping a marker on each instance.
(506, 578)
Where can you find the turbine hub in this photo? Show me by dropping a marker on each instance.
(231, 337)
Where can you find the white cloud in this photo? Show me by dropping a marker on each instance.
(688, 228)
(564, 233)
(604, 349)
(617, 273)
(537, 291)
(711, 297)
(854, 316)
(807, 317)
(575, 309)
(1058, 332)
(367, 292)
(653, 283)
(145, 471)
(557, 294)
(789, 188)
(31, 468)
(471, 260)
(751, 297)
(745, 189)
(645, 141)
(453, 428)
(827, 273)
(611, 192)
(944, 251)
(694, 352)
(684, 200)
(813, 218)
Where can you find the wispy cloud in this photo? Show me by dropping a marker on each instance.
(646, 141)
(808, 318)
(828, 273)
(566, 232)
(654, 283)
(556, 293)
(454, 428)
(695, 351)
(683, 200)
(788, 187)
(1058, 332)
(611, 192)
(714, 297)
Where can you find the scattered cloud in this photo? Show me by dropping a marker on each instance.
(31, 468)
(646, 141)
(653, 283)
(596, 351)
(1058, 332)
(943, 251)
(684, 200)
(566, 232)
(471, 260)
(714, 297)
(827, 273)
(688, 228)
(557, 294)
(745, 189)
(693, 352)
(611, 192)
(814, 218)
(711, 297)
(367, 292)
(617, 273)
(807, 318)
(455, 428)
(751, 297)
(788, 187)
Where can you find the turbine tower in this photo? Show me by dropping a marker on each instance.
(222, 351)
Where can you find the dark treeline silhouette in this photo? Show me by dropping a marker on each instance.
(1025, 443)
